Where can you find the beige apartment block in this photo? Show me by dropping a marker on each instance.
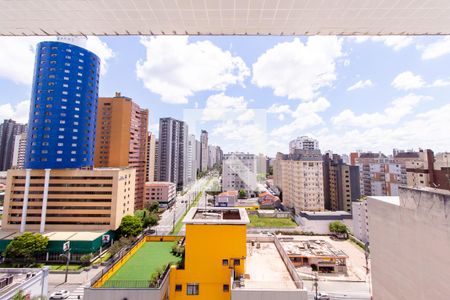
(76, 199)
(410, 244)
(160, 191)
(300, 179)
(121, 139)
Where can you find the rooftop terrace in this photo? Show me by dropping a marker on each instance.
(217, 215)
(312, 248)
(265, 269)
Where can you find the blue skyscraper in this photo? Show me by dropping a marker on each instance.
(63, 107)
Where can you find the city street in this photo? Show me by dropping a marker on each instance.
(171, 216)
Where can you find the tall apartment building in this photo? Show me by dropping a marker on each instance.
(121, 139)
(59, 189)
(409, 244)
(63, 110)
(239, 172)
(20, 147)
(341, 183)
(360, 220)
(156, 176)
(299, 176)
(429, 170)
(9, 129)
(172, 151)
(381, 175)
(198, 155)
(215, 155)
(303, 143)
(262, 165)
(151, 157)
(69, 200)
(191, 169)
(204, 151)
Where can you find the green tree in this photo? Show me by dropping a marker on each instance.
(26, 247)
(148, 219)
(151, 220)
(338, 227)
(130, 226)
(242, 194)
(153, 207)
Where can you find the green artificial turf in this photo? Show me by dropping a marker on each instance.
(258, 222)
(147, 260)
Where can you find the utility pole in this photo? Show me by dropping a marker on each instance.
(316, 285)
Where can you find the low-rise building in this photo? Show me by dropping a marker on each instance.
(31, 282)
(68, 199)
(226, 199)
(160, 191)
(320, 255)
(410, 244)
(318, 222)
(268, 201)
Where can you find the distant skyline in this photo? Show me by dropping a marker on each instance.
(255, 94)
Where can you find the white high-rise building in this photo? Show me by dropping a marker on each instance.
(299, 176)
(360, 220)
(20, 144)
(151, 157)
(204, 151)
(172, 151)
(191, 171)
(239, 172)
(303, 143)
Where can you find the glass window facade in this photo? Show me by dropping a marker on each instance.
(57, 102)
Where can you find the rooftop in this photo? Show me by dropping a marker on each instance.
(12, 278)
(312, 248)
(265, 269)
(217, 215)
(325, 215)
(58, 235)
(229, 193)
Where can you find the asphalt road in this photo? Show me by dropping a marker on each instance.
(172, 215)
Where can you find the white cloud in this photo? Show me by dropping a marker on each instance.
(278, 108)
(17, 55)
(408, 81)
(426, 130)
(360, 85)
(440, 83)
(436, 49)
(176, 69)
(219, 105)
(17, 58)
(18, 112)
(395, 42)
(305, 116)
(298, 70)
(398, 108)
(102, 50)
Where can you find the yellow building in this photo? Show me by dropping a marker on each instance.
(215, 254)
(75, 199)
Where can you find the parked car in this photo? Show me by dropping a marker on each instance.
(323, 296)
(62, 294)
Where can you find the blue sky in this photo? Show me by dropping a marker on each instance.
(256, 93)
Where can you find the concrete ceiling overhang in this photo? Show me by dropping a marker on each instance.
(224, 17)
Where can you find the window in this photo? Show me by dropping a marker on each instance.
(237, 262)
(192, 289)
(178, 288)
(224, 262)
(226, 288)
